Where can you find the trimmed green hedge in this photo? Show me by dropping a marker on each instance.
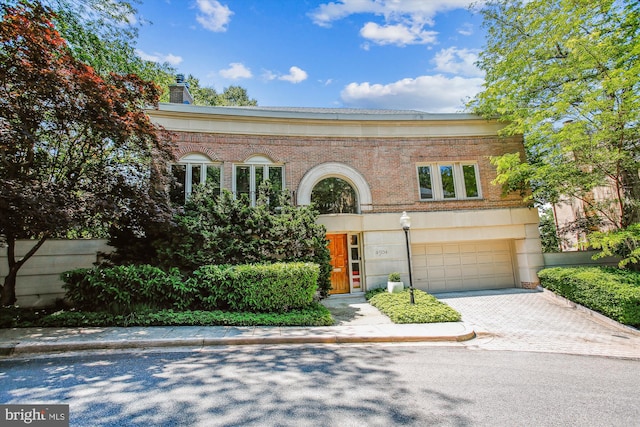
(613, 292)
(397, 306)
(278, 287)
(275, 287)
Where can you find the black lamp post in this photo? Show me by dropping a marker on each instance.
(405, 222)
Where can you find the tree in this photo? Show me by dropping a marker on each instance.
(102, 34)
(76, 148)
(565, 74)
(232, 95)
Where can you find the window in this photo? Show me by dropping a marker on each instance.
(192, 170)
(249, 176)
(451, 181)
(333, 196)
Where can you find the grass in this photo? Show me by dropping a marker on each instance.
(314, 315)
(398, 307)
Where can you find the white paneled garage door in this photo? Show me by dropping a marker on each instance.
(449, 267)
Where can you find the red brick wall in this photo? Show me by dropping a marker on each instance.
(387, 164)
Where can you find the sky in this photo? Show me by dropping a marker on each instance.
(376, 54)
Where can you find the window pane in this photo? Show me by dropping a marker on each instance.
(213, 176)
(195, 176)
(424, 178)
(176, 193)
(243, 177)
(448, 187)
(333, 196)
(275, 177)
(470, 184)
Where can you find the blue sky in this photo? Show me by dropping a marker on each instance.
(387, 54)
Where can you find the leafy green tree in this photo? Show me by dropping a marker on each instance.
(548, 232)
(76, 148)
(231, 96)
(102, 34)
(216, 229)
(565, 73)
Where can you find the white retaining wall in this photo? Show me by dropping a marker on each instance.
(38, 282)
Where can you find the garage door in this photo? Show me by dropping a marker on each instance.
(463, 266)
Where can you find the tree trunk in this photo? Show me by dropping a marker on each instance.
(8, 294)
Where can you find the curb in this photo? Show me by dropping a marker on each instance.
(18, 348)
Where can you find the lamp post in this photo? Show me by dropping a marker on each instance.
(405, 222)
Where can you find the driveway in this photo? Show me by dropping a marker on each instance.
(534, 320)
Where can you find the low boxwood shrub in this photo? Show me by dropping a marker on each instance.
(613, 292)
(427, 308)
(277, 287)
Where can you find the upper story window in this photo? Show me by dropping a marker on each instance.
(449, 181)
(192, 170)
(250, 175)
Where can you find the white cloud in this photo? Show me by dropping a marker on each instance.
(296, 75)
(160, 58)
(398, 34)
(466, 29)
(458, 61)
(435, 94)
(214, 16)
(236, 71)
(403, 21)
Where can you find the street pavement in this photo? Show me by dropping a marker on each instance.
(509, 319)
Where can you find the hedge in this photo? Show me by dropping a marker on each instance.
(612, 292)
(278, 287)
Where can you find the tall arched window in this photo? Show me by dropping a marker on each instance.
(334, 195)
(190, 171)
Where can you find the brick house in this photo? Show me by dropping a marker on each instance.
(464, 233)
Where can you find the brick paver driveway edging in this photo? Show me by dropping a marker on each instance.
(536, 320)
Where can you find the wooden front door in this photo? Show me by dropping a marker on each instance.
(340, 263)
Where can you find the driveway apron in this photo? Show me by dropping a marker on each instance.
(535, 320)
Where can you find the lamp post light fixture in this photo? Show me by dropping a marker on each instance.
(405, 222)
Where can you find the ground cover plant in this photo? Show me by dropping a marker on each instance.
(12, 317)
(612, 292)
(397, 306)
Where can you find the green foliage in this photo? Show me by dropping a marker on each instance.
(548, 232)
(313, 315)
(232, 95)
(127, 288)
(623, 243)
(394, 277)
(218, 229)
(565, 74)
(612, 292)
(277, 287)
(427, 309)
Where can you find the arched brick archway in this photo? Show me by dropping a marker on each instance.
(338, 170)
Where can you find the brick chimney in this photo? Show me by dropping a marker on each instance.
(179, 91)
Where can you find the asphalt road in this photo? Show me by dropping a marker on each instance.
(330, 385)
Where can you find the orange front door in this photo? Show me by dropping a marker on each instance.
(340, 263)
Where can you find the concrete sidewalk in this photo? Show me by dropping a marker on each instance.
(356, 322)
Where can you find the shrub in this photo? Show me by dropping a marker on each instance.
(394, 277)
(313, 315)
(427, 309)
(613, 292)
(217, 229)
(126, 288)
(277, 287)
